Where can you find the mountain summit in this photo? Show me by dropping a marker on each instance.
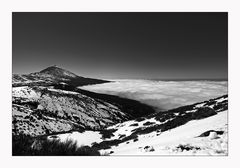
(57, 71)
(53, 75)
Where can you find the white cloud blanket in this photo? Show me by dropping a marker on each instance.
(163, 94)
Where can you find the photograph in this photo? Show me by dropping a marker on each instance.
(119, 84)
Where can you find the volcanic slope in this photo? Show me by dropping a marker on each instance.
(53, 75)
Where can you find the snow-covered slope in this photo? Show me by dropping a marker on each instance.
(198, 129)
(182, 140)
(42, 110)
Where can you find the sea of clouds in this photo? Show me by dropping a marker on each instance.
(163, 94)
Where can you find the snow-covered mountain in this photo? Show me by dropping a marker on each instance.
(53, 75)
(50, 104)
(197, 129)
(43, 104)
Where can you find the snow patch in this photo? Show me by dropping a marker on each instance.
(85, 138)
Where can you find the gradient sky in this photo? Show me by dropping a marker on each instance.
(123, 45)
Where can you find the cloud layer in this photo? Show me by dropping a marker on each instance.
(163, 94)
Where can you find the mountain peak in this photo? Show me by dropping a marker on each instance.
(53, 74)
(55, 66)
(57, 71)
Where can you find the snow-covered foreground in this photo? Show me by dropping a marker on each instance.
(197, 129)
(169, 142)
(183, 140)
(162, 94)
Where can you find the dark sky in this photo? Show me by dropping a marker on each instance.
(123, 45)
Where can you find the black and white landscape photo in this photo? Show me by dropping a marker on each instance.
(119, 83)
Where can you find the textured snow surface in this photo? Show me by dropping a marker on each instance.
(166, 143)
(162, 94)
(85, 138)
(24, 92)
(127, 127)
(37, 110)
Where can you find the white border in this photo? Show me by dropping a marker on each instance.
(9, 6)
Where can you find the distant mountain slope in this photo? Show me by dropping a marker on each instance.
(53, 75)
